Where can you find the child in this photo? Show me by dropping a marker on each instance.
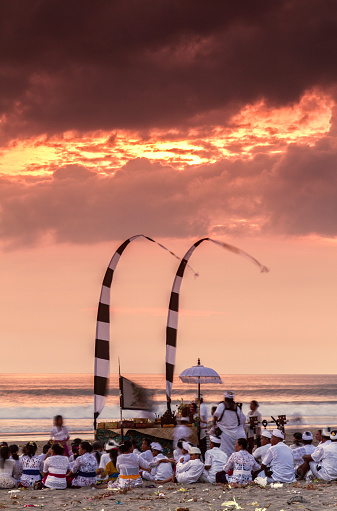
(60, 434)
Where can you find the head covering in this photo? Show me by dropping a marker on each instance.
(333, 435)
(215, 439)
(156, 446)
(111, 444)
(278, 433)
(266, 433)
(194, 450)
(326, 431)
(229, 394)
(186, 446)
(307, 435)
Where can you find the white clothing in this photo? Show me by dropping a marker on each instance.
(42, 456)
(326, 467)
(260, 452)
(203, 420)
(128, 466)
(181, 431)
(137, 451)
(215, 458)
(85, 469)
(56, 465)
(319, 451)
(280, 459)
(232, 427)
(59, 434)
(189, 472)
(242, 463)
(147, 455)
(300, 452)
(105, 458)
(159, 471)
(9, 474)
(31, 469)
(256, 413)
(177, 454)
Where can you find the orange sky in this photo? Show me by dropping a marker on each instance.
(176, 123)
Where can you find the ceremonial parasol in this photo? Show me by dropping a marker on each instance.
(199, 374)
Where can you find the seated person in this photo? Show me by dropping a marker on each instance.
(241, 463)
(146, 453)
(260, 452)
(280, 459)
(83, 472)
(8, 469)
(215, 459)
(307, 448)
(135, 449)
(297, 441)
(128, 465)
(303, 469)
(30, 465)
(110, 471)
(324, 462)
(190, 471)
(177, 453)
(55, 468)
(161, 469)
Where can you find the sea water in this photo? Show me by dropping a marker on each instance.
(28, 402)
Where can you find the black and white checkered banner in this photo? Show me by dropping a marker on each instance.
(102, 344)
(172, 318)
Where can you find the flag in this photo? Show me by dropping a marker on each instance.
(134, 396)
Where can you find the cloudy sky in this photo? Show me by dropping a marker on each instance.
(178, 120)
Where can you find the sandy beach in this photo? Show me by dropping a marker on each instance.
(174, 497)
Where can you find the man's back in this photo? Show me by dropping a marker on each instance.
(281, 462)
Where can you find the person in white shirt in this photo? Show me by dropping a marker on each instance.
(182, 431)
(60, 434)
(203, 424)
(55, 468)
(325, 466)
(178, 452)
(280, 459)
(260, 452)
(250, 432)
(135, 449)
(146, 453)
(161, 469)
(191, 471)
(215, 459)
(303, 469)
(307, 448)
(105, 458)
(229, 418)
(128, 465)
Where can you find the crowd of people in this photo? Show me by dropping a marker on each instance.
(231, 451)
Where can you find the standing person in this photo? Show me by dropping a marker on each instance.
(250, 432)
(203, 425)
(241, 462)
(83, 472)
(55, 468)
(182, 431)
(31, 466)
(229, 418)
(8, 469)
(280, 459)
(215, 459)
(60, 434)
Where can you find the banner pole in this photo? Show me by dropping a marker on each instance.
(120, 400)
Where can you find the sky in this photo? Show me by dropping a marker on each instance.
(178, 120)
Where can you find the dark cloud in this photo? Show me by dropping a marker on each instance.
(87, 65)
(294, 193)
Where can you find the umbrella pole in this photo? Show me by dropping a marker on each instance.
(199, 406)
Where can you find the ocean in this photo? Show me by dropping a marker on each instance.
(28, 402)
